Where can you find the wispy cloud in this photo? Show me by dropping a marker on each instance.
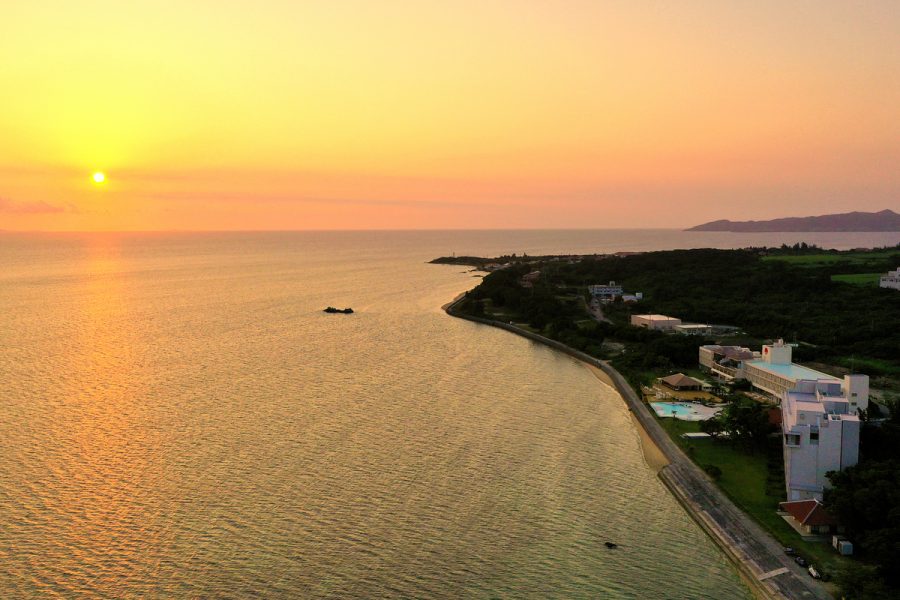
(28, 208)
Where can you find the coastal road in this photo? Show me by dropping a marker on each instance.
(757, 555)
(760, 558)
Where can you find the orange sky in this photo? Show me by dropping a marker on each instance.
(467, 114)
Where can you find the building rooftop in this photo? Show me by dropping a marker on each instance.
(811, 403)
(681, 380)
(791, 371)
(735, 352)
(808, 512)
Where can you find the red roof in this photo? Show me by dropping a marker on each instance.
(808, 512)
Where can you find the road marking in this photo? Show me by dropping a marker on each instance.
(770, 574)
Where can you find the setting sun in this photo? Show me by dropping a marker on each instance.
(98, 177)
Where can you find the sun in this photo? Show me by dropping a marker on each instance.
(98, 177)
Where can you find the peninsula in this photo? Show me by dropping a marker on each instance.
(885, 220)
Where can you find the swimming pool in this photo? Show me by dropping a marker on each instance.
(686, 411)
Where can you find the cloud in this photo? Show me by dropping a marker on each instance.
(28, 208)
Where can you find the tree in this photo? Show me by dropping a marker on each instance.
(713, 427)
(866, 500)
(747, 421)
(862, 582)
(713, 471)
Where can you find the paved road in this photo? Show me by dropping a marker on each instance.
(756, 552)
(759, 557)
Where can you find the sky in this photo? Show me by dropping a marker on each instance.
(387, 114)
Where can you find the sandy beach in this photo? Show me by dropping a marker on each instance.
(653, 456)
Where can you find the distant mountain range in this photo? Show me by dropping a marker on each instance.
(885, 220)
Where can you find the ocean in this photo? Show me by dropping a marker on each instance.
(179, 419)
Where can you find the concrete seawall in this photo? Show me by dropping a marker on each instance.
(757, 556)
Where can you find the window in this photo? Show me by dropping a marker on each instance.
(813, 437)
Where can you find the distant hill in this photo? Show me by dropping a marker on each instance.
(886, 220)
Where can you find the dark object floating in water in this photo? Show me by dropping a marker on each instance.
(610, 545)
(346, 311)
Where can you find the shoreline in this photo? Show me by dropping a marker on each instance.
(757, 557)
(653, 455)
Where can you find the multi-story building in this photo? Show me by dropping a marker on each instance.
(819, 412)
(776, 374)
(821, 434)
(891, 280)
(694, 329)
(725, 362)
(606, 291)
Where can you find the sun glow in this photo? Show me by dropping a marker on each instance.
(374, 114)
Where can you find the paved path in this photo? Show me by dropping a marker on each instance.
(595, 313)
(757, 555)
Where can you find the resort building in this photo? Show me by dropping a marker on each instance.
(658, 322)
(891, 280)
(821, 434)
(606, 291)
(818, 412)
(808, 517)
(681, 383)
(694, 329)
(776, 374)
(725, 362)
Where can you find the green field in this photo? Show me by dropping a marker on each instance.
(744, 481)
(816, 260)
(858, 278)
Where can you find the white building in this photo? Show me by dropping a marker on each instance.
(659, 322)
(725, 362)
(776, 374)
(819, 412)
(694, 329)
(606, 291)
(891, 280)
(821, 434)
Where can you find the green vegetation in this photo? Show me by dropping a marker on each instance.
(858, 278)
(834, 257)
(866, 498)
(754, 481)
(800, 294)
(760, 291)
(746, 421)
(766, 298)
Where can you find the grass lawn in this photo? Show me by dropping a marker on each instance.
(824, 259)
(744, 482)
(873, 365)
(858, 278)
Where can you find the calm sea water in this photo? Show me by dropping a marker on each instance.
(178, 418)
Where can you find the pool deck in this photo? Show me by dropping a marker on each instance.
(758, 557)
(693, 412)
